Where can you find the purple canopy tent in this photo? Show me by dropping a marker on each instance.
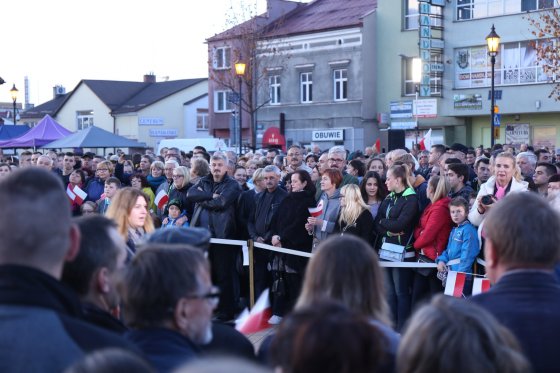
(46, 131)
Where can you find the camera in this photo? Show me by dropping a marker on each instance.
(487, 199)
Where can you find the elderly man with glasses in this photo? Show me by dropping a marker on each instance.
(337, 159)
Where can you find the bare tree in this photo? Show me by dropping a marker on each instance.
(245, 38)
(545, 25)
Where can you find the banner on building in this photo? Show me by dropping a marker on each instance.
(517, 134)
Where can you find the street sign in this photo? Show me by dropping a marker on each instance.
(497, 118)
(233, 97)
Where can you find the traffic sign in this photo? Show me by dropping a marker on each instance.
(497, 120)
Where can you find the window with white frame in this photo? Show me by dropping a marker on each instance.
(340, 80)
(84, 119)
(516, 64)
(274, 89)
(409, 83)
(410, 86)
(411, 15)
(201, 119)
(306, 87)
(222, 58)
(222, 101)
(472, 9)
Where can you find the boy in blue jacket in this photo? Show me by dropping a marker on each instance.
(462, 246)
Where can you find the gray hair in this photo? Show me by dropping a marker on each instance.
(173, 162)
(338, 149)
(531, 157)
(272, 168)
(220, 157)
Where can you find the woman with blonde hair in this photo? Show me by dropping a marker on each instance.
(506, 179)
(129, 210)
(354, 217)
(156, 176)
(96, 186)
(178, 191)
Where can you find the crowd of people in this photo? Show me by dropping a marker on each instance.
(127, 272)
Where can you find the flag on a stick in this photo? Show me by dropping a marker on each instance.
(316, 211)
(257, 319)
(462, 285)
(426, 142)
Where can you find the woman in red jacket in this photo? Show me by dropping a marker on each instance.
(430, 238)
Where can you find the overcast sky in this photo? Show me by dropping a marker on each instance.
(56, 42)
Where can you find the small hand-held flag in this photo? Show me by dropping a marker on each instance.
(462, 285)
(161, 199)
(316, 211)
(76, 194)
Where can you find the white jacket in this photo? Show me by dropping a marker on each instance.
(488, 188)
(475, 217)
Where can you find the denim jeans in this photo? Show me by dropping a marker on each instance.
(398, 286)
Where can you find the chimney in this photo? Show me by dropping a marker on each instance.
(150, 78)
(58, 90)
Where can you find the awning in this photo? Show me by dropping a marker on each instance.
(273, 137)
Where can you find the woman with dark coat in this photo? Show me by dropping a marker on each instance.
(354, 217)
(395, 223)
(178, 191)
(290, 233)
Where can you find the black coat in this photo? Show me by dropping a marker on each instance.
(396, 219)
(181, 195)
(289, 224)
(42, 322)
(165, 349)
(364, 227)
(266, 212)
(220, 210)
(245, 209)
(528, 304)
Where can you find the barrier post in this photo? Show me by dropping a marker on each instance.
(251, 276)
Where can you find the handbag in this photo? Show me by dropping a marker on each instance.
(392, 252)
(424, 271)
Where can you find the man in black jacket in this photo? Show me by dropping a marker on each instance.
(41, 319)
(521, 250)
(215, 197)
(92, 273)
(260, 224)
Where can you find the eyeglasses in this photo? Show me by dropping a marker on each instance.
(177, 176)
(212, 296)
(102, 169)
(336, 160)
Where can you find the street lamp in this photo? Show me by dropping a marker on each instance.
(493, 41)
(14, 93)
(240, 72)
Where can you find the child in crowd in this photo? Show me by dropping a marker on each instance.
(175, 211)
(112, 184)
(462, 246)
